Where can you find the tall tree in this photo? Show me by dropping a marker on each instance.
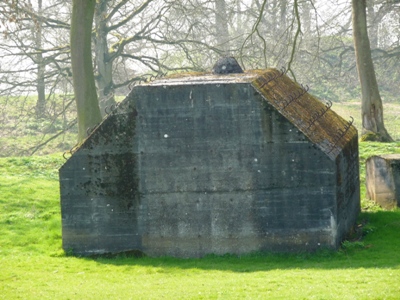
(371, 102)
(116, 23)
(102, 57)
(41, 65)
(221, 26)
(82, 68)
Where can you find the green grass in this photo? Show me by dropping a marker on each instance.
(33, 265)
(21, 131)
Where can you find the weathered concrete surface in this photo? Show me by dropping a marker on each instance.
(383, 180)
(212, 164)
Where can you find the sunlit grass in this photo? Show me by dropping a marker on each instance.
(34, 266)
(21, 131)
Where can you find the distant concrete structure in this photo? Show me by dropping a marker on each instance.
(233, 163)
(383, 180)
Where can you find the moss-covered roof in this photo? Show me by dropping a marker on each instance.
(315, 119)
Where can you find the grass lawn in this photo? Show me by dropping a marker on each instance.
(34, 266)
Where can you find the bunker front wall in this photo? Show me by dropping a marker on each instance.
(192, 169)
(221, 171)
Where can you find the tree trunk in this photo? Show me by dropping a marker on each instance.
(104, 65)
(307, 18)
(239, 20)
(373, 24)
(371, 107)
(82, 69)
(41, 66)
(283, 15)
(221, 26)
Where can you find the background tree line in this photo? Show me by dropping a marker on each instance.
(132, 40)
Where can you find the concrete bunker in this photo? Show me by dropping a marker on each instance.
(218, 164)
(383, 180)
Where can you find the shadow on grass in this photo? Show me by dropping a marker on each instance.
(378, 248)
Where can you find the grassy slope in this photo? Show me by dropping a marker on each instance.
(33, 266)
